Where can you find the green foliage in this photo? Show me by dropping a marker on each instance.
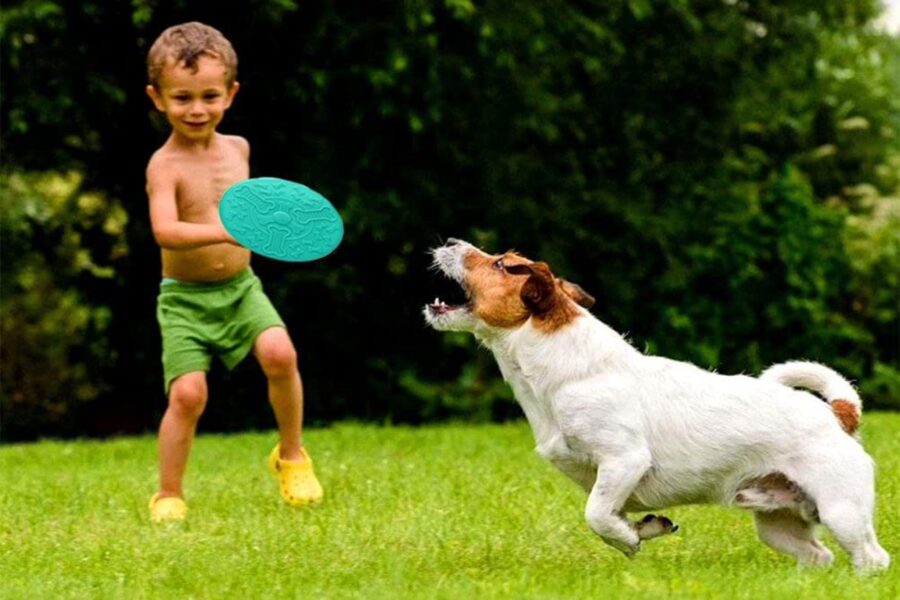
(720, 175)
(442, 512)
(769, 273)
(57, 239)
(873, 243)
(476, 395)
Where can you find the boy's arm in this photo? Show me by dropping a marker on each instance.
(170, 233)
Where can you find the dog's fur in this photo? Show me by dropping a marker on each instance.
(641, 432)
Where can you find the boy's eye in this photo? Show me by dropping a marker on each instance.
(211, 96)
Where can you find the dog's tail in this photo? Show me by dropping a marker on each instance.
(836, 390)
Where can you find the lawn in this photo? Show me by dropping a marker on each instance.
(451, 512)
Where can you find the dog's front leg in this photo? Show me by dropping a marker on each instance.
(617, 477)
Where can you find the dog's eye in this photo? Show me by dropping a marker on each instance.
(499, 264)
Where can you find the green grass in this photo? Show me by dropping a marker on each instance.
(432, 512)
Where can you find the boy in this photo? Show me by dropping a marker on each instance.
(210, 302)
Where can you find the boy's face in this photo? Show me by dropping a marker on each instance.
(194, 102)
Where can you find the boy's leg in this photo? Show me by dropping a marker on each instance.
(289, 461)
(278, 359)
(187, 399)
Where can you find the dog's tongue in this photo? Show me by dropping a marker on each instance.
(440, 307)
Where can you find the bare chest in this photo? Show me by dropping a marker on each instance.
(202, 183)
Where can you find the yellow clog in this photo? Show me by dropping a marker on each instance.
(296, 479)
(170, 508)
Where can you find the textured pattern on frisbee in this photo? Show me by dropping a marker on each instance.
(281, 219)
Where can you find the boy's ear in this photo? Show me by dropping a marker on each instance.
(157, 99)
(230, 97)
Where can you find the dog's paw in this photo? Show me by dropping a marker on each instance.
(626, 548)
(652, 526)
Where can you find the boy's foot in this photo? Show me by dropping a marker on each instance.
(296, 480)
(170, 508)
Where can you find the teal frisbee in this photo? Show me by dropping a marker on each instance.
(281, 219)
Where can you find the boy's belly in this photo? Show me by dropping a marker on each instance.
(209, 263)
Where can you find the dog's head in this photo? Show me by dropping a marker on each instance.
(503, 291)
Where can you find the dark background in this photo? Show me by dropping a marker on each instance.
(722, 175)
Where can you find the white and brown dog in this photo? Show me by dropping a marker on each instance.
(642, 433)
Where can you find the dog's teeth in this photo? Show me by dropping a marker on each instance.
(436, 301)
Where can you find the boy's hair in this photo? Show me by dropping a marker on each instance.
(185, 44)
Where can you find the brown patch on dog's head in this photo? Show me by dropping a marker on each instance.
(847, 415)
(508, 289)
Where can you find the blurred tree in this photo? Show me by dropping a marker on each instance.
(718, 173)
(58, 240)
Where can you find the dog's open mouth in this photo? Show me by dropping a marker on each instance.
(439, 307)
(452, 289)
(448, 260)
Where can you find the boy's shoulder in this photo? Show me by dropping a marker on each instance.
(167, 159)
(239, 142)
(163, 156)
(164, 160)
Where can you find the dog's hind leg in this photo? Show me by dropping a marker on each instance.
(840, 478)
(852, 527)
(786, 532)
(617, 477)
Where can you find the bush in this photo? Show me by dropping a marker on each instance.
(60, 244)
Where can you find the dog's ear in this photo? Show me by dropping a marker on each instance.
(577, 293)
(538, 292)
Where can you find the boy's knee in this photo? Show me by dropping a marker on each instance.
(277, 356)
(188, 394)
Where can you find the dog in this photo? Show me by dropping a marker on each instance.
(642, 433)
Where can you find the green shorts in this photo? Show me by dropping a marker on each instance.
(200, 320)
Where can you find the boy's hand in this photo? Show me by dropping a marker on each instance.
(229, 239)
